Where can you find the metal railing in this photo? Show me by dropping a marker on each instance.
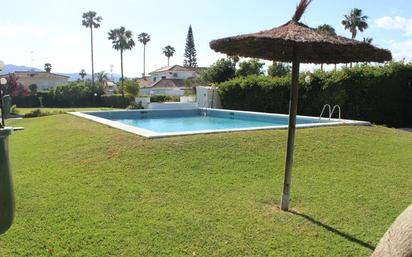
(331, 111)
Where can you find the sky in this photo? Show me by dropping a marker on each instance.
(35, 32)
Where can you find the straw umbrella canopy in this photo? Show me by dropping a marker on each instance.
(297, 43)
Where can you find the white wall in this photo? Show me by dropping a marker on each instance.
(173, 75)
(42, 83)
(208, 97)
(162, 91)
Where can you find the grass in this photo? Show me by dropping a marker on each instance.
(83, 189)
(23, 111)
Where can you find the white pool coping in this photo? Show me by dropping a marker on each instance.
(151, 134)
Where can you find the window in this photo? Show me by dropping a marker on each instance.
(154, 79)
(163, 77)
(174, 75)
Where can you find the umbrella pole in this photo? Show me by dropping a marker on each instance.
(293, 107)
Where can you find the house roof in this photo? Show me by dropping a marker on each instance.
(174, 68)
(30, 73)
(144, 82)
(169, 83)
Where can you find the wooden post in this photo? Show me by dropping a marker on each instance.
(293, 107)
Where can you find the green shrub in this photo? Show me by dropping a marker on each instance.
(164, 98)
(114, 101)
(30, 101)
(13, 110)
(36, 113)
(132, 88)
(382, 95)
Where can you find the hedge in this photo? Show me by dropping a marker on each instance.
(382, 95)
(26, 101)
(114, 101)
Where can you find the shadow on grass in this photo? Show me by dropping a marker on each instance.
(334, 230)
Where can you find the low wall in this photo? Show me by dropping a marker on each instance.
(172, 106)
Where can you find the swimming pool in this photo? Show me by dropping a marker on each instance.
(163, 123)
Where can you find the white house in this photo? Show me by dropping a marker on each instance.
(168, 80)
(43, 80)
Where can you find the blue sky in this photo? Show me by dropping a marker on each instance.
(52, 29)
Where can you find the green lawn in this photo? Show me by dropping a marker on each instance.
(23, 111)
(83, 189)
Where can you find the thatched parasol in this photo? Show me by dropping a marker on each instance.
(297, 43)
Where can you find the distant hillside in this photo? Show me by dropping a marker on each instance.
(76, 76)
(10, 68)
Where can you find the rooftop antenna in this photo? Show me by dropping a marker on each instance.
(32, 58)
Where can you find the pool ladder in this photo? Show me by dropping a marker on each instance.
(331, 111)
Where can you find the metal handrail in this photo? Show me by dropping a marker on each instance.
(323, 110)
(333, 110)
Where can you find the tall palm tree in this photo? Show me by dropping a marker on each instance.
(328, 29)
(122, 40)
(355, 21)
(92, 21)
(168, 51)
(82, 73)
(47, 67)
(144, 38)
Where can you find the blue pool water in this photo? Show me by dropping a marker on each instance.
(172, 121)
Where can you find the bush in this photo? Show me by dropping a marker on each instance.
(73, 94)
(132, 88)
(164, 98)
(115, 101)
(26, 101)
(36, 113)
(382, 95)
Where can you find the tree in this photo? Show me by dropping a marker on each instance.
(220, 71)
(101, 79)
(13, 87)
(122, 40)
(82, 73)
(47, 67)
(168, 51)
(132, 88)
(326, 28)
(144, 38)
(33, 89)
(355, 21)
(190, 50)
(251, 67)
(278, 69)
(368, 40)
(92, 21)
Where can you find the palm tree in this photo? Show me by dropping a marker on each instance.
(368, 40)
(355, 21)
(91, 20)
(101, 78)
(328, 29)
(144, 38)
(82, 73)
(47, 67)
(168, 51)
(122, 40)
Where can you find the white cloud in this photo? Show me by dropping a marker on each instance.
(395, 23)
(402, 49)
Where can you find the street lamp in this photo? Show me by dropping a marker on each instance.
(6, 188)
